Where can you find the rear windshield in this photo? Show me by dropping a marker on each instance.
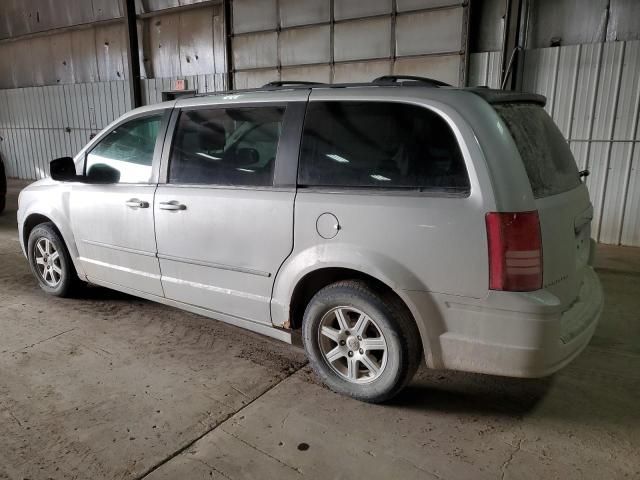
(546, 155)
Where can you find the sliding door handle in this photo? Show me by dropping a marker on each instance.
(135, 203)
(172, 205)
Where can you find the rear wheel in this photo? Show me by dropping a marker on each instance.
(360, 342)
(50, 261)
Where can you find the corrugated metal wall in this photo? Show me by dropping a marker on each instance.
(593, 93)
(348, 40)
(38, 124)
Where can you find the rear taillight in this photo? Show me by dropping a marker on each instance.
(515, 251)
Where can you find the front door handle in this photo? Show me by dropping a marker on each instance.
(172, 205)
(135, 203)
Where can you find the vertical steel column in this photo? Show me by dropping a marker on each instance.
(133, 56)
(228, 36)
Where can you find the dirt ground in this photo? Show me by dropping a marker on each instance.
(113, 387)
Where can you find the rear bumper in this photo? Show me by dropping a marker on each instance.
(534, 341)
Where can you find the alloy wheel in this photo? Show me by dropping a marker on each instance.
(352, 344)
(48, 262)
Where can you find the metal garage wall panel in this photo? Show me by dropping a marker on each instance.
(435, 31)
(111, 52)
(254, 15)
(629, 101)
(445, 68)
(588, 67)
(344, 9)
(567, 76)
(255, 50)
(544, 79)
(304, 12)
(105, 9)
(163, 35)
(596, 182)
(61, 58)
(631, 223)
(408, 5)
(301, 46)
(613, 199)
(361, 71)
(196, 41)
(362, 39)
(607, 92)
(83, 53)
(315, 73)
(254, 79)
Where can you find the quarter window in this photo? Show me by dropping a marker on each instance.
(380, 144)
(125, 155)
(226, 146)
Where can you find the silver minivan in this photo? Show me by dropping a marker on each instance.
(381, 223)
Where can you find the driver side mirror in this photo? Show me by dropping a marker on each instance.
(63, 169)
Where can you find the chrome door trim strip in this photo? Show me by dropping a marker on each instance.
(219, 266)
(117, 247)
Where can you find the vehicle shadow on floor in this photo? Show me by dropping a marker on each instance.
(462, 392)
(96, 292)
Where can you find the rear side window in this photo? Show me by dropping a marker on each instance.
(380, 144)
(547, 157)
(226, 146)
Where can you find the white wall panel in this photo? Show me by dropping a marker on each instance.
(254, 15)
(361, 71)
(301, 46)
(445, 68)
(358, 41)
(436, 31)
(256, 50)
(312, 73)
(408, 5)
(344, 9)
(304, 12)
(362, 39)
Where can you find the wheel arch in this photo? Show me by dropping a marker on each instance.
(33, 219)
(312, 281)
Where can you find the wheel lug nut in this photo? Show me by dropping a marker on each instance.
(361, 351)
(359, 338)
(342, 343)
(350, 353)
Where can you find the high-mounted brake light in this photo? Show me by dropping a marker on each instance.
(515, 251)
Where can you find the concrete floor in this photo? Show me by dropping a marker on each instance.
(110, 386)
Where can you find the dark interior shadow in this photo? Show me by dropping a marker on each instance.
(462, 392)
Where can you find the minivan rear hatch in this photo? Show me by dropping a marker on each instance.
(562, 200)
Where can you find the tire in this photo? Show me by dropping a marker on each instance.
(3, 201)
(370, 373)
(60, 278)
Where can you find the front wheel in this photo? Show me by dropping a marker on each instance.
(360, 342)
(50, 261)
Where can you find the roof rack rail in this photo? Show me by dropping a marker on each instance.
(400, 79)
(286, 83)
